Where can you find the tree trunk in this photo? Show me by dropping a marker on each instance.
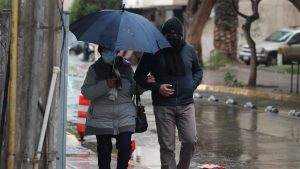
(197, 24)
(253, 69)
(225, 32)
(36, 57)
(296, 3)
(34, 116)
(247, 28)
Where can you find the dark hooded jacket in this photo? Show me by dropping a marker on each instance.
(184, 81)
(184, 86)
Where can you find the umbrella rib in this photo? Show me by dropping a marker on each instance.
(107, 27)
(142, 26)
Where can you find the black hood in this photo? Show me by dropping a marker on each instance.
(173, 25)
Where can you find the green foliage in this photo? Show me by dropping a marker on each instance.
(217, 59)
(283, 68)
(80, 8)
(3, 4)
(71, 128)
(231, 80)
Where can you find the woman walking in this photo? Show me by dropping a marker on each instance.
(109, 85)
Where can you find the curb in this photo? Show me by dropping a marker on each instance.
(248, 92)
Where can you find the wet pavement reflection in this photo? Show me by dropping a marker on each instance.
(236, 137)
(228, 135)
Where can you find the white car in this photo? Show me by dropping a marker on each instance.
(266, 50)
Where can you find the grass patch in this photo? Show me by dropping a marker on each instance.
(231, 80)
(283, 68)
(71, 128)
(266, 86)
(90, 145)
(217, 59)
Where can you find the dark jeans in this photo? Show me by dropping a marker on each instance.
(104, 148)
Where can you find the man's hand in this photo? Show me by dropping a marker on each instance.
(166, 90)
(111, 83)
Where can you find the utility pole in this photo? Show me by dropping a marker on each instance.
(38, 46)
(54, 41)
(25, 49)
(35, 85)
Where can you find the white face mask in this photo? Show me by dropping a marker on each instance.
(109, 56)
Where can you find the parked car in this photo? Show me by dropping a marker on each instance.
(266, 50)
(291, 52)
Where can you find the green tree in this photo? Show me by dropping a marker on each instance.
(3, 4)
(80, 8)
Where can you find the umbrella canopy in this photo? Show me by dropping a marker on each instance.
(119, 30)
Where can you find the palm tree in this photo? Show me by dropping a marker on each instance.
(197, 13)
(225, 32)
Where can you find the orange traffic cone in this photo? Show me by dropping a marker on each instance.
(82, 113)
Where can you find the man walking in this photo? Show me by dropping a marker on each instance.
(175, 74)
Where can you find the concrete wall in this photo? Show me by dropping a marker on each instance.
(274, 14)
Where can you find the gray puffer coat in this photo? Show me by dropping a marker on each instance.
(105, 116)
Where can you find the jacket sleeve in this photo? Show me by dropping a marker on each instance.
(91, 89)
(196, 70)
(143, 69)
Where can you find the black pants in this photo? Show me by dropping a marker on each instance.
(104, 148)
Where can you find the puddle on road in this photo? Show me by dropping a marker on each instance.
(240, 138)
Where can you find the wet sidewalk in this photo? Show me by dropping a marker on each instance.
(79, 157)
(145, 156)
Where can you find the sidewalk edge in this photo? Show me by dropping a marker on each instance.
(248, 92)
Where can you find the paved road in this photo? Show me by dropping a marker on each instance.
(242, 138)
(229, 135)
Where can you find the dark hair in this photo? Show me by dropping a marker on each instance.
(100, 49)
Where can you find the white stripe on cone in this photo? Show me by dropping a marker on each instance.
(83, 108)
(81, 120)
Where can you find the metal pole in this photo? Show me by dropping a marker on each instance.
(298, 71)
(13, 86)
(62, 116)
(292, 77)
